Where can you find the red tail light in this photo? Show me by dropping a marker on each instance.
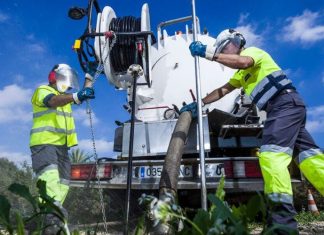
(88, 171)
(228, 166)
(252, 169)
(242, 169)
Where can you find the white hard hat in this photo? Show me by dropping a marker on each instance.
(64, 76)
(227, 36)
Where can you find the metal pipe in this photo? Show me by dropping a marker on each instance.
(141, 33)
(200, 120)
(174, 21)
(131, 146)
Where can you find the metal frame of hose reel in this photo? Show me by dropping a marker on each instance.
(85, 50)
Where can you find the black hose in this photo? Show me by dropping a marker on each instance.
(123, 53)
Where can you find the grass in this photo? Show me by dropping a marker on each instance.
(306, 217)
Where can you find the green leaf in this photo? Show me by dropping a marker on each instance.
(240, 212)
(23, 191)
(254, 206)
(202, 220)
(4, 211)
(41, 185)
(222, 212)
(20, 225)
(140, 228)
(220, 193)
(75, 232)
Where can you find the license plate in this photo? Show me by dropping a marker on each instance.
(215, 170)
(145, 172)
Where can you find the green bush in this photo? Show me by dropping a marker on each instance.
(219, 219)
(42, 206)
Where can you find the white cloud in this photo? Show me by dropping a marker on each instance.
(30, 37)
(19, 78)
(36, 48)
(13, 95)
(15, 104)
(82, 116)
(3, 17)
(303, 28)
(104, 148)
(17, 157)
(315, 119)
(251, 37)
(243, 17)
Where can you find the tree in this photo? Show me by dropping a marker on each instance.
(9, 174)
(78, 156)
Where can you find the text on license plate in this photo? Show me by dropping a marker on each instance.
(155, 171)
(212, 170)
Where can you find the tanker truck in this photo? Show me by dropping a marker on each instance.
(232, 126)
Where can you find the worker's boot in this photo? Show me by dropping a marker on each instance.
(53, 223)
(283, 216)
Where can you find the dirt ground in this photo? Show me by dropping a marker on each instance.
(314, 228)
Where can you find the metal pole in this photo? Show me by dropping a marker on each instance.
(200, 120)
(130, 150)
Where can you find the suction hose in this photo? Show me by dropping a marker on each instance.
(171, 167)
(170, 173)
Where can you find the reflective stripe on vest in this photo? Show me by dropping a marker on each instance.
(61, 113)
(52, 129)
(308, 153)
(53, 126)
(268, 87)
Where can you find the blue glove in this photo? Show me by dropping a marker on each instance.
(85, 93)
(197, 48)
(192, 107)
(91, 68)
(205, 51)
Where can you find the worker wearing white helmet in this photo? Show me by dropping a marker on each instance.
(284, 130)
(53, 131)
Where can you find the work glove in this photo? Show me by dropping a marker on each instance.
(192, 107)
(84, 94)
(199, 49)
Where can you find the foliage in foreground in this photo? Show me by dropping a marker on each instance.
(306, 217)
(42, 205)
(219, 219)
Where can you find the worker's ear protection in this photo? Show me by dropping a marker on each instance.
(52, 75)
(239, 36)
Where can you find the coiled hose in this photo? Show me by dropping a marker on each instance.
(123, 53)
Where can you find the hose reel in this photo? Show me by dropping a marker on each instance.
(94, 46)
(128, 30)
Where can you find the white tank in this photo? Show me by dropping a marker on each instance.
(172, 72)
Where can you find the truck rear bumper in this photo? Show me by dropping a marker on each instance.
(233, 185)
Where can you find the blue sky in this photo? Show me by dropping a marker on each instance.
(35, 36)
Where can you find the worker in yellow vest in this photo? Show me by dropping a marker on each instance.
(53, 131)
(284, 130)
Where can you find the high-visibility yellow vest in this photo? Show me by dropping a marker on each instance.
(53, 126)
(261, 81)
